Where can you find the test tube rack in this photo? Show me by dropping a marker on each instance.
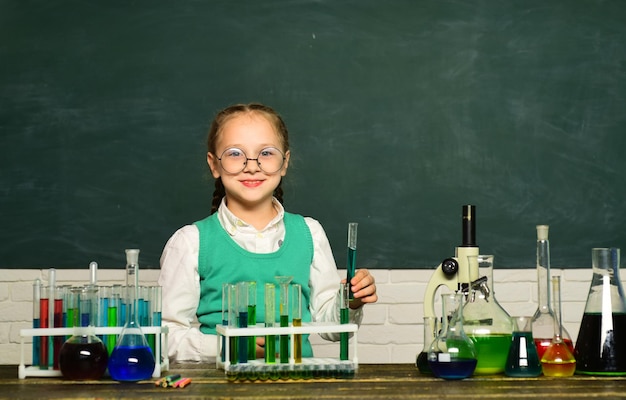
(309, 368)
(24, 371)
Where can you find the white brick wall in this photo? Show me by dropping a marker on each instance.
(392, 330)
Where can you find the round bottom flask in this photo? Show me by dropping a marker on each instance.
(83, 356)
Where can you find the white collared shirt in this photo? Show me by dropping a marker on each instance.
(181, 282)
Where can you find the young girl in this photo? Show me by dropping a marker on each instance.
(248, 237)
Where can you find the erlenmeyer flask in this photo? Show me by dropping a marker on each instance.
(543, 319)
(601, 344)
(131, 359)
(558, 360)
(431, 330)
(84, 356)
(485, 322)
(452, 354)
(523, 360)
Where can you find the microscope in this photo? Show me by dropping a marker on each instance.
(458, 273)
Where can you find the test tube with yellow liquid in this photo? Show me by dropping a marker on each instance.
(283, 282)
(296, 320)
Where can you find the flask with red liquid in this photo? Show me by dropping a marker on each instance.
(544, 319)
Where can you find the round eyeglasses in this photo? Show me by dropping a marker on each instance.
(270, 160)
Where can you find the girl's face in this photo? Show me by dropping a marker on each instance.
(251, 187)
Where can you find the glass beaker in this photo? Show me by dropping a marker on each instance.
(558, 360)
(485, 322)
(523, 360)
(84, 356)
(601, 344)
(132, 359)
(543, 319)
(431, 330)
(452, 354)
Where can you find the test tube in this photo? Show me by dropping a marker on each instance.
(351, 264)
(284, 282)
(251, 287)
(242, 306)
(344, 315)
(296, 320)
(155, 315)
(232, 321)
(51, 294)
(44, 322)
(57, 341)
(36, 319)
(113, 315)
(225, 287)
(270, 322)
(93, 273)
(104, 299)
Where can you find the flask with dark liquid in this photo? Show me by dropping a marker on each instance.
(601, 344)
(523, 360)
(84, 356)
(431, 330)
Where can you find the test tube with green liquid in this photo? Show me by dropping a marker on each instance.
(351, 264)
(270, 322)
(344, 313)
(296, 320)
(113, 315)
(284, 282)
(251, 286)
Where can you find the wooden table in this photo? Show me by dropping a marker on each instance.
(372, 381)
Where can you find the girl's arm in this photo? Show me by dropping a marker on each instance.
(181, 294)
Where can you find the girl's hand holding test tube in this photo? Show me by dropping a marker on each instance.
(363, 287)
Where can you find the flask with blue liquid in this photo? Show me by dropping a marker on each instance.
(132, 359)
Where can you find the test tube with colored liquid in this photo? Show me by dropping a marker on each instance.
(232, 322)
(51, 293)
(103, 301)
(225, 287)
(57, 341)
(283, 282)
(270, 322)
(296, 320)
(155, 308)
(36, 319)
(251, 286)
(44, 322)
(344, 314)
(242, 306)
(351, 263)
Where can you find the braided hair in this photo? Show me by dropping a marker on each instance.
(216, 129)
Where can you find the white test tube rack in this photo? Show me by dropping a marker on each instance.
(34, 370)
(311, 363)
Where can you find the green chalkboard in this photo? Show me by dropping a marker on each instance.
(400, 112)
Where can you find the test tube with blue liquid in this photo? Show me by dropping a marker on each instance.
(156, 308)
(232, 321)
(36, 319)
(351, 264)
(242, 306)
